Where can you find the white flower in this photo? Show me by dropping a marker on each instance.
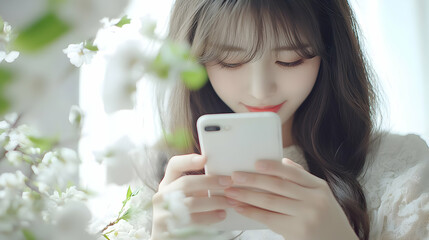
(128, 53)
(140, 234)
(120, 230)
(140, 203)
(107, 23)
(85, 15)
(4, 125)
(57, 170)
(175, 204)
(118, 162)
(123, 72)
(71, 221)
(11, 117)
(71, 194)
(19, 137)
(13, 180)
(110, 36)
(79, 54)
(5, 37)
(14, 157)
(148, 26)
(8, 57)
(76, 116)
(179, 224)
(7, 31)
(123, 230)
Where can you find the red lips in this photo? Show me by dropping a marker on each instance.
(274, 108)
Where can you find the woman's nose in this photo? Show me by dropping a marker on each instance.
(261, 84)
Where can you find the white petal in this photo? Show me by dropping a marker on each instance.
(11, 117)
(11, 56)
(7, 28)
(75, 116)
(2, 56)
(77, 61)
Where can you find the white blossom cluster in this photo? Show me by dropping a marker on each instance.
(41, 199)
(134, 51)
(179, 224)
(37, 187)
(5, 39)
(39, 181)
(134, 221)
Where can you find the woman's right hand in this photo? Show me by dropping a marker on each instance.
(203, 210)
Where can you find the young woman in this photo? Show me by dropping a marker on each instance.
(340, 178)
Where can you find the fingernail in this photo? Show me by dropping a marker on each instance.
(198, 159)
(225, 181)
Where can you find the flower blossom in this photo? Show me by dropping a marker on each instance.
(8, 57)
(5, 38)
(79, 54)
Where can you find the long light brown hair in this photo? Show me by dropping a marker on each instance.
(334, 124)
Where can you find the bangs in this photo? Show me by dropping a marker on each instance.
(246, 29)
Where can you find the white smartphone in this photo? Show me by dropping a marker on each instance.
(234, 142)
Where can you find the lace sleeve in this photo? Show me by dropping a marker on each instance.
(401, 210)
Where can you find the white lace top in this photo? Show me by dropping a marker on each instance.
(396, 186)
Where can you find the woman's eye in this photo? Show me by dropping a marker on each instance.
(229, 65)
(290, 64)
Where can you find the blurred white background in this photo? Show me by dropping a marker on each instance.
(397, 36)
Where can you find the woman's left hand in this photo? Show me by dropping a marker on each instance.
(295, 203)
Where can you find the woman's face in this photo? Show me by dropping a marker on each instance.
(279, 81)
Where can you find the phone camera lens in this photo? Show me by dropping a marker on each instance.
(212, 128)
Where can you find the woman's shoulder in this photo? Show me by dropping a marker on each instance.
(396, 186)
(397, 153)
(393, 156)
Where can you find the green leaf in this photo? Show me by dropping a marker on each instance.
(1, 24)
(127, 215)
(124, 20)
(160, 67)
(91, 47)
(28, 234)
(135, 193)
(41, 33)
(6, 76)
(44, 144)
(129, 192)
(195, 78)
(181, 51)
(180, 139)
(4, 106)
